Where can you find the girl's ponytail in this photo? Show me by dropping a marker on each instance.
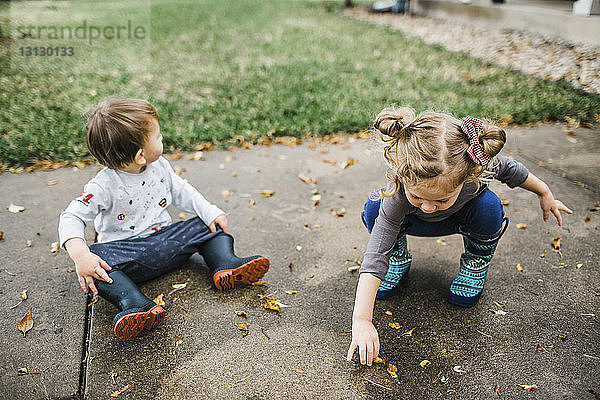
(395, 123)
(492, 139)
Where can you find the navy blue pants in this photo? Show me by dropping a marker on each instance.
(149, 257)
(481, 219)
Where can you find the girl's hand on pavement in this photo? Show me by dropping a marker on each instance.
(549, 205)
(365, 337)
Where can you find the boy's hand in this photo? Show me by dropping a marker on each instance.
(365, 337)
(221, 220)
(89, 266)
(549, 204)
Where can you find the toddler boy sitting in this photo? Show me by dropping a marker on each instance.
(128, 203)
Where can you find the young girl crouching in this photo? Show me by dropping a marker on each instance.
(439, 168)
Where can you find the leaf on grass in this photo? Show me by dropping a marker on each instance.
(529, 387)
(395, 325)
(243, 328)
(378, 360)
(26, 323)
(521, 226)
(442, 241)
(15, 209)
(241, 314)
(54, 247)
(159, 300)
(267, 192)
(556, 244)
(392, 370)
(409, 333)
(424, 363)
(519, 267)
(119, 392)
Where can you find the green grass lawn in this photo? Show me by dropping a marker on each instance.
(236, 70)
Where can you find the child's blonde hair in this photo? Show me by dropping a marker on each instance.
(431, 145)
(117, 128)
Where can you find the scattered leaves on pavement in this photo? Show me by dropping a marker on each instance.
(521, 226)
(388, 313)
(24, 371)
(197, 156)
(272, 304)
(1, 235)
(424, 363)
(378, 360)
(306, 179)
(159, 300)
(500, 304)
(505, 202)
(338, 213)
(458, 369)
(54, 247)
(241, 314)
(23, 298)
(15, 209)
(392, 370)
(409, 333)
(258, 283)
(52, 182)
(545, 349)
(120, 391)
(347, 163)
(543, 254)
(298, 248)
(291, 291)
(267, 192)
(243, 328)
(498, 312)
(395, 325)
(26, 323)
(442, 241)
(529, 387)
(556, 245)
(587, 219)
(519, 267)
(176, 287)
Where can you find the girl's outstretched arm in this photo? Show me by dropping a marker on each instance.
(547, 201)
(364, 334)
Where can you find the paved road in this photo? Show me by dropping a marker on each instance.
(198, 353)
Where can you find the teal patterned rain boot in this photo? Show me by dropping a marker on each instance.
(398, 267)
(467, 287)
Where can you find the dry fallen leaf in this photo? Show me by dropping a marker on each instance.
(308, 278)
(529, 387)
(26, 323)
(241, 314)
(579, 266)
(221, 166)
(298, 248)
(499, 304)
(15, 209)
(424, 363)
(159, 300)
(119, 392)
(258, 283)
(408, 333)
(556, 244)
(306, 179)
(388, 313)
(272, 304)
(395, 325)
(543, 254)
(54, 248)
(243, 328)
(458, 369)
(347, 163)
(521, 226)
(52, 182)
(442, 241)
(291, 291)
(339, 213)
(392, 370)
(378, 360)
(267, 192)
(225, 193)
(197, 156)
(505, 202)
(519, 267)
(1, 235)
(234, 174)
(332, 162)
(354, 268)
(498, 312)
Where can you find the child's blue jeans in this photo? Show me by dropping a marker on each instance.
(481, 219)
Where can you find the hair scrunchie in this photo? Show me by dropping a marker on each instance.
(472, 127)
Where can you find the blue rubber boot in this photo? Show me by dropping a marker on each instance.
(467, 287)
(398, 267)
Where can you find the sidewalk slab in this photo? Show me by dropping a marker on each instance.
(199, 353)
